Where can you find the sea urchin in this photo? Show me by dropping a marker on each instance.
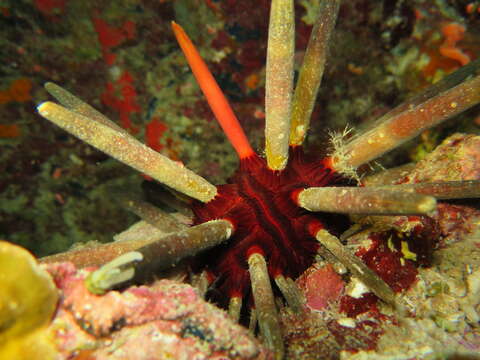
(265, 209)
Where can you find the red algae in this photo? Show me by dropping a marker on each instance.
(453, 33)
(154, 131)
(389, 264)
(10, 131)
(363, 336)
(390, 256)
(110, 36)
(18, 91)
(121, 97)
(120, 94)
(51, 7)
(352, 307)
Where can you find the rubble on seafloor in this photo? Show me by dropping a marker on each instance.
(439, 290)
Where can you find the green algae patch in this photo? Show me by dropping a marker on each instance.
(27, 302)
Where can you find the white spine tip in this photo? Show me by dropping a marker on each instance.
(41, 108)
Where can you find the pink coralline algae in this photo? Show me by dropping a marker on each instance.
(452, 221)
(167, 320)
(321, 286)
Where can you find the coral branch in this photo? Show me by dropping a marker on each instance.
(311, 71)
(279, 82)
(130, 151)
(217, 101)
(265, 307)
(449, 97)
(371, 201)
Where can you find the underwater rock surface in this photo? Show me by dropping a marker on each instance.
(167, 320)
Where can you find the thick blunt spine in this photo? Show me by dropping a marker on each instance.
(265, 307)
(368, 201)
(465, 189)
(78, 106)
(159, 255)
(450, 97)
(311, 71)
(279, 82)
(130, 151)
(357, 267)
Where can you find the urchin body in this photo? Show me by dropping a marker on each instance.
(261, 204)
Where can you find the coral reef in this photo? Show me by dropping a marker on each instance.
(406, 260)
(165, 320)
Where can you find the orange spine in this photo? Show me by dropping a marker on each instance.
(217, 101)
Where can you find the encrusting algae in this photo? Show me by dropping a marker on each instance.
(28, 300)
